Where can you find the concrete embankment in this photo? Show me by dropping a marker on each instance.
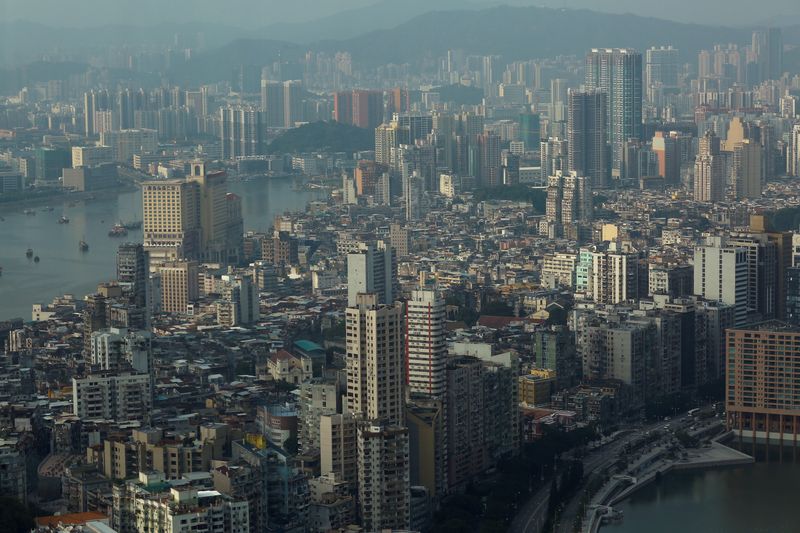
(650, 467)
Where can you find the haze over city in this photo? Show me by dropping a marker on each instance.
(355, 266)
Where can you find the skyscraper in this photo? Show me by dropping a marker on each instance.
(530, 130)
(747, 170)
(373, 269)
(721, 273)
(292, 103)
(241, 131)
(374, 346)
(667, 150)
(425, 341)
(179, 285)
(171, 220)
(490, 160)
(214, 220)
(661, 71)
(569, 202)
(586, 136)
(132, 269)
(767, 46)
(618, 73)
(272, 103)
(365, 108)
(384, 477)
(555, 157)
(709, 170)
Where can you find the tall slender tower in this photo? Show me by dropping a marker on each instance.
(618, 73)
(375, 360)
(709, 171)
(426, 348)
(374, 347)
(586, 135)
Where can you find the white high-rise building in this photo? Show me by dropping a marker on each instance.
(375, 367)
(115, 396)
(426, 343)
(615, 276)
(372, 269)
(793, 153)
(721, 273)
(117, 348)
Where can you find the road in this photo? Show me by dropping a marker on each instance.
(533, 514)
(603, 458)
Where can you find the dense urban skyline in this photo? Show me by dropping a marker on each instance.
(460, 268)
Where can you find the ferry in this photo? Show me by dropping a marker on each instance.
(63, 220)
(118, 231)
(83, 246)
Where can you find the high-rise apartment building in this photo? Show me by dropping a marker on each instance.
(586, 136)
(94, 101)
(530, 129)
(426, 343)
(119, 396)
(272, 103)
(179, 285)
(709, 170)
(667, 150)
(387, 138)
(241, 131)
(375, 363)
(338, 445)
(133, 266)
(367, 174)
(292, 103)
(126, 143)
(372, 269)
(383, 477)
(763, 363)
(490, 164)
(618, 73)
(661, 72)
(362, 108)
(615, 276)
(555, 157)
(721, 272)
(569, 202)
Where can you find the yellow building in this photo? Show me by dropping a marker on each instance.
(537, 387)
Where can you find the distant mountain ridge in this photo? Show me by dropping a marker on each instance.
(524, 32)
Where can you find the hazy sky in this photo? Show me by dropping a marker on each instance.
(259, 13)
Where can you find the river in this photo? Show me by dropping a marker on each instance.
(63, 268)
(754, 498)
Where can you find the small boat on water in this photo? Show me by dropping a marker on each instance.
(118, 231)
(29, 253)
(1, 271)
(63, 220)
(48, 209)
(83, 246)
(29, 212)
(36, 259)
